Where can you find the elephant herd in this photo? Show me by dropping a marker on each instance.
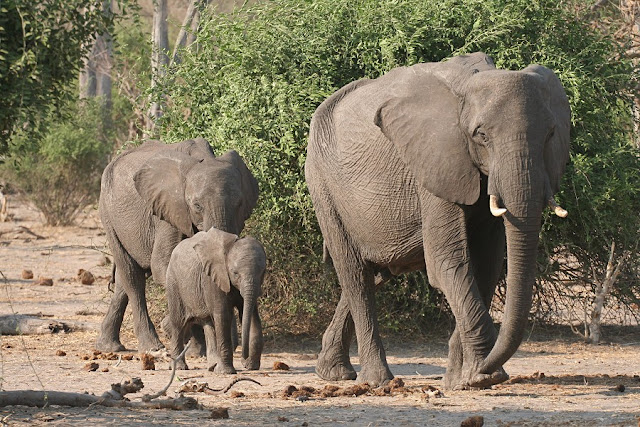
(440, 166)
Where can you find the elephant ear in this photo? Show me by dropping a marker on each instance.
(424, 126)
(556, 151)
(198, 148)
(161, 184)
(248, 183)
(212, 252)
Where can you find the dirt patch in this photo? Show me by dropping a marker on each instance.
(555, 380)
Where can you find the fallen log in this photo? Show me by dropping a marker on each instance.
(20, 324)
(111, 398)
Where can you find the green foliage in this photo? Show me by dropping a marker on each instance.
(41, 50)
(258, 75)
(60, 173)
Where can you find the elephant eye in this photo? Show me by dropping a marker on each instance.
(478, 133)
(197, 206)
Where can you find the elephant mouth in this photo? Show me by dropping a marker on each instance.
(196, 228)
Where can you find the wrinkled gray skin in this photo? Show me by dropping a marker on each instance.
(208, 275)
(152, 197)
(400, 169)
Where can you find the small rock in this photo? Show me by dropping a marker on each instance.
(148, 362)
(27, 274)
(283, 419)
(304, 424)
(621, 388)
(280, 366)
(236, 394)
(90, 367)
(60, 353)
(219, 413)
(127, 357)
(302, 398)
(104, 261)
(105, 369)
(86, 277)
(474, 421)
(45, 281)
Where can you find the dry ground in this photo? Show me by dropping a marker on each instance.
(579, 384)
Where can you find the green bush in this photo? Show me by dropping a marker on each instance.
(60, 173)
(258, 75)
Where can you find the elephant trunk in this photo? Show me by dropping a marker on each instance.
(523, 197)
(247, 311)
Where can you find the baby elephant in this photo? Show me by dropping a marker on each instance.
(200, 276)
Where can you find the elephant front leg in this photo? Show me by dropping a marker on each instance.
(256, 343)
(222, 321)
(333, 360)
(450, 265)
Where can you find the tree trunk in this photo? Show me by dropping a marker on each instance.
(603, 289)
(95, 77)
(159, 57)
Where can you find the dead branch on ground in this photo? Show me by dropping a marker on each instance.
(111, 398)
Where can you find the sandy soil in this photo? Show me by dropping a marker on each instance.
(555, 380)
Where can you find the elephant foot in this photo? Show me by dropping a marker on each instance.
(251, 364)
(375, 377)
(150, 346)
(197, 348)
(452, 378)
(219, 368)
(181, 365)
(337, 371)
(487, 380)
(109, 345)
(480, 381)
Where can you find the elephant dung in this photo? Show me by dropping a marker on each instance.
(86, 277)
(280, 366)
(474, 421)
(148, 362)
(91, 367)
(219, 413)
(45, 281)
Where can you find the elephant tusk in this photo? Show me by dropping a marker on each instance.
(493, 206)
(557, 209)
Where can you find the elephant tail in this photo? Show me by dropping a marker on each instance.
(112, 280)
(326, 256)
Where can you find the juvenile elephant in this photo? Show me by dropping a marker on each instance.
(151, 198)
(208, 275)
(428, 166)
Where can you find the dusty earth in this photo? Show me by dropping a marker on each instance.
(555, 379)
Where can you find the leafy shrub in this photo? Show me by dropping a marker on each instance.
(60, 173)
(258, 75)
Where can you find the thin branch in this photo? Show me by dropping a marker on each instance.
(147, 397)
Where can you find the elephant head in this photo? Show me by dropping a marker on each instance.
(238, 262)
(194, 193)
(462, 118)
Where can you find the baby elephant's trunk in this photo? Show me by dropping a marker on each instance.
(247, 311)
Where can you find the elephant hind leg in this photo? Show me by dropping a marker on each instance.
(130, 285)
(109, 338)
(333, 361)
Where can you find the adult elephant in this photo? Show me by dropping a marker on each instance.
(151, 198)
(427, 166)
